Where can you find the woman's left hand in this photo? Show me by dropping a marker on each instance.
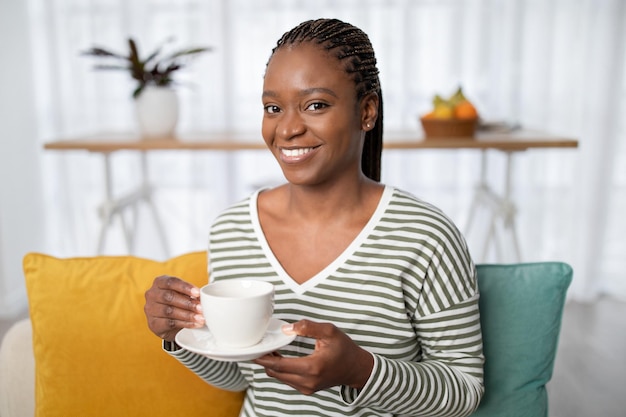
(337, 360)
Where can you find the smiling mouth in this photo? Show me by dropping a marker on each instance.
(291, 153)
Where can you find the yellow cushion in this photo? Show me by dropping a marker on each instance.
(94, 353)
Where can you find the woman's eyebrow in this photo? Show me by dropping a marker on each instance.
(269, 93)
(312, 90)
(305, 92)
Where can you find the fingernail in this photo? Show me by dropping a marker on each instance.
(195, 292)
(287, 328)
(199, 307)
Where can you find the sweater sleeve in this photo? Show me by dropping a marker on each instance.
(224, 375)
(448, 381)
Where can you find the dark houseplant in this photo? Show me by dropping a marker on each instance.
(156, 69)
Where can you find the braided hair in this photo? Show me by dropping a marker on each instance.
(352, 47)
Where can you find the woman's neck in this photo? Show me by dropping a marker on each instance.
(330, 201)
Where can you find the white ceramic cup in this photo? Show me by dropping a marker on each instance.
(237, 311)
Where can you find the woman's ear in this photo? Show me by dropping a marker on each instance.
(369, 111)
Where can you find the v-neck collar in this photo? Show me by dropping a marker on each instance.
(330, 268)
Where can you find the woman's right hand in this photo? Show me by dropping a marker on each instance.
(171, 305)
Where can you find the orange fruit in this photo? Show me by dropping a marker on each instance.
(465, 110)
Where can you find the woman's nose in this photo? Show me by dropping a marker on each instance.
(290, 125)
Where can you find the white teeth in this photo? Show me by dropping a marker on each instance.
(296, 152)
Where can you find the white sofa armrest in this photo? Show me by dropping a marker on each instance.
(17, 372)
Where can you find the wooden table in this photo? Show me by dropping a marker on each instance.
(516, 140)
(501, 206)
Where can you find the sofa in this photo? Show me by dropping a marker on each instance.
(86, 349)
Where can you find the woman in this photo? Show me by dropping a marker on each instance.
(378, 286)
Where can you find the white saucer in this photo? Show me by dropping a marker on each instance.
(201, 341)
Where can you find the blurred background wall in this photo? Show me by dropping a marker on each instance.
(553, 65)
(21, 198)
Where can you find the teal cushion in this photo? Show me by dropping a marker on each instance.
(521, 306)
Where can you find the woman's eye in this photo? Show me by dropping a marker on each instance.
(317, 106)
(272, 109)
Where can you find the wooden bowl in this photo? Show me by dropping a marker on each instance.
(449, 128)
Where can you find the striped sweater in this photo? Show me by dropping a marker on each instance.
(405, 290)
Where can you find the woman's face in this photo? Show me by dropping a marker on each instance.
(312, 121)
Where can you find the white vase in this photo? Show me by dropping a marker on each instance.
(157, 112)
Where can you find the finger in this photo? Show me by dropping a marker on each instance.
(172, 326)
(280, 366)
(298, 373)
(308, 328)
(172, 291)
(274, 354)
(166, 321)
(172, 312)
(176, 284)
